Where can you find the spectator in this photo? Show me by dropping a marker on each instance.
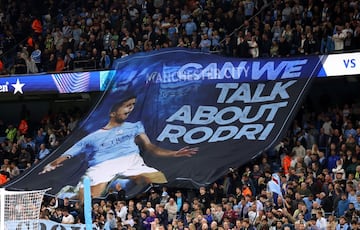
(111, 222)
(349, 130)
(60, 64)
(326, 44)
(264, 46)
(338, 38)
(342, 206)
(204, 198)
(36, 56)
(69, 60)
(331, 222)
(121, 193)
(242, 47)
(30, 64)
(342, 224)
(311, 45)
(104, 60)
(274, 49)
(355, 225)
(50, 63)
(190, 26)
(227, 46)
(2, 68)
(43, 152)
(67, 218)
(276, 31)
(20, 64)
(253, 47)
(14, 170)
(205, 43)
(24, 159)
(51, 138)
(171, 208)
(4, 177)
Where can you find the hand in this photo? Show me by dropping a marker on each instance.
(284, 210)
(186, 152)
(49, 167)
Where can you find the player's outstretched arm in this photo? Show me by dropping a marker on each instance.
(54, 164)
(186, 152)
(145, 143)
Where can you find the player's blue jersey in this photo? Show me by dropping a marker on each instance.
(103, 145)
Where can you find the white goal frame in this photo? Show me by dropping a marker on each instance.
(26, 203)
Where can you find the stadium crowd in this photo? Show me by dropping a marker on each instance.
(76, 35)
(318, 162)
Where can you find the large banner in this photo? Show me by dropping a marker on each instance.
(179, 117)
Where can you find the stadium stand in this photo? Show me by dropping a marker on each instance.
(74, 35)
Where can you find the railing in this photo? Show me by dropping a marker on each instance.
(86, 64)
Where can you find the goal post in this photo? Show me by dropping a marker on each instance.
(20, 209)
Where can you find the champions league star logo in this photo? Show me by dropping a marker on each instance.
(18, 87)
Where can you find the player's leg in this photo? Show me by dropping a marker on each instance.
(81, 196)
(100, 175)
(142, 173)
(97, 190)
(153, 177)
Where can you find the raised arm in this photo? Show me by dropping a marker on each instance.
(71, 152)
(54, 164)
(144, 142)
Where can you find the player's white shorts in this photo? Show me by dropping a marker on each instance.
(126, 166)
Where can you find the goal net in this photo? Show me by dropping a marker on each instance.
(20, 209)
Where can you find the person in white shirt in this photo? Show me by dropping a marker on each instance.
(218, 213)
(14, 170)
(253, 213)
(171, 208)
(52, 137)
(321, 222)
(299, 150)
(254, 47)
(67, 217)
(129, 221)
(327, 126)
(121, 210)
(338, 39)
